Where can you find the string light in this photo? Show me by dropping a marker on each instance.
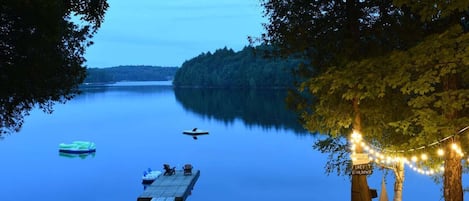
(380, 158)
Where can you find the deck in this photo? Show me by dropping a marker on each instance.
(176, 187)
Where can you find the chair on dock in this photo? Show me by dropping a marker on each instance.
(168, 170)
(187, 169)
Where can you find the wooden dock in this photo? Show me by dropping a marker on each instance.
(176, 187)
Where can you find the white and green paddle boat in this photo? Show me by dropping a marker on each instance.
(77, 147)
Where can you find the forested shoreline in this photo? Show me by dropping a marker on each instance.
(129, 73)
(225, 68)
(249, 68)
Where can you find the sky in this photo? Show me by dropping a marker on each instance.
(169, 32)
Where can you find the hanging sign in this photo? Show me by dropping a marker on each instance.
(362, 169)
(358, 159)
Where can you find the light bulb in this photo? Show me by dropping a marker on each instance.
(424, 157)
(440, 152)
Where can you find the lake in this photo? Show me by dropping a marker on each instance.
(256, 150)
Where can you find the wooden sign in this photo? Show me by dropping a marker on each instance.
(359, 159)
(362, 169)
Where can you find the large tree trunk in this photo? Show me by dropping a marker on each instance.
(399, 180)
(452, 188)
(360, 189)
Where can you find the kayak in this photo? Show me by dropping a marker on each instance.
(195, 131)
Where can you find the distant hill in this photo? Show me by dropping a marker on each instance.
(130, 73)
(225, 68)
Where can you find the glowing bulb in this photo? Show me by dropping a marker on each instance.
(366, 148)
(454, 146)
(414, 158)
(440, 152)
(424, 157)
(357, 136)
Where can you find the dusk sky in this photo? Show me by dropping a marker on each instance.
(167, 33)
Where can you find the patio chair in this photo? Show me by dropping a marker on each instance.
(168, 171)
(187, 169)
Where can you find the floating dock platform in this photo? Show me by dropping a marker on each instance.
(176, 187)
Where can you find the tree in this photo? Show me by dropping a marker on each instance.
(42, 45)
(348, 100)
(432, 75)
(374, 59)
(332, 35)
(228, 69)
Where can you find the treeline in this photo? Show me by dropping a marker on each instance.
(130, 73)
(248, 68)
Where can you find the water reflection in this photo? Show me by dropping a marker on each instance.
(265, 108)
(130, 87)
(195, 136)
(93, 92)
(195, 132)
(81, 156)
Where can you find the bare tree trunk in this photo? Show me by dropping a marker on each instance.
(399, 180)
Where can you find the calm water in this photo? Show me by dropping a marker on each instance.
(255, 149)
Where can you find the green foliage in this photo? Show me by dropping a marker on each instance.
(430, 10)
(333, 33)
(248, 68)
(437, 92)
(41, 53)
(130, 73)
